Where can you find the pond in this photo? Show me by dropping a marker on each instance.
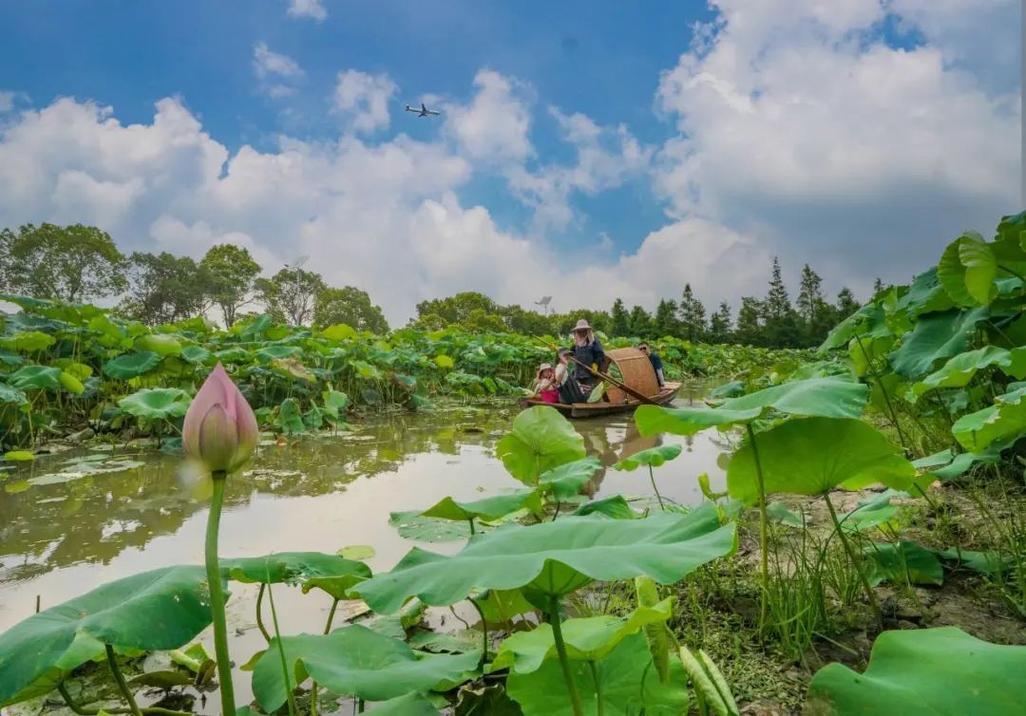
(74, 520)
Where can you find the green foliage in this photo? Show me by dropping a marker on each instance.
(290, 294)
(310, 570)
(541, 438)
(156, 403)
(652, 457)
(231, 271)
(350, 306)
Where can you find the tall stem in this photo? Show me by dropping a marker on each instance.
(119, 679)
(290, 690)
(259, 613)
(871, 369)
(327, 630)
(599, 706)
(651, 478)
(763, 527)
(564, 662)
(224, 663)
(870, 594)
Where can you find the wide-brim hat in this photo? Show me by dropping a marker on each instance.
(543, 367)
(582, 325)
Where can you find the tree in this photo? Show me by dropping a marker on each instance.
(164, 288)
(846, 303)
(532, 323)
(878, 285)
(231, 270)
(780, 323)
(599, 320)
(457, 308)
(749, 330)
(692, 315)
(665, 322)
(289, 295)
(719, 324)
(620, 319)
(68, 263)
(482, 320)
(351, 306)
(817, 315)
(640, 322)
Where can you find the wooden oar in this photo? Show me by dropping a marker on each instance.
(613, 381)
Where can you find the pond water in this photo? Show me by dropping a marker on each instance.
(64, 531)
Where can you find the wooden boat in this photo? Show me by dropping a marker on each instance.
(635, 371)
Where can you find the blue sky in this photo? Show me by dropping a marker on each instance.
(589, 149)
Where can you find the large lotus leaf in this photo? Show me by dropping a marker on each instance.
(815, 455)
(131, 365)
(554, 558)
(415, 526)
(586, 639)
(967, 270)
(408, 705)
(156, 403)
(489, 508)
(234, 355)
(159, 343)
(958, 371)
(197, 355)
(9, 394)
(653, 457)
(936, 337)
(539, 440)
(338, 332)
(335, 403)
(866, 319)
(925, 672)
(157, 610)
(567, 480)
(615, 507)
(628, 681)
(35, 377)
(903, 561)
(354, 661)
(870, 513)
(925, 295)
(334, 574)
(27, 341)
(813, 397)
(1005, 420)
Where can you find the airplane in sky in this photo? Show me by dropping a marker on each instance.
(423, 111)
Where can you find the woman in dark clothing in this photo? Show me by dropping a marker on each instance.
(586, 350)
(569, 391)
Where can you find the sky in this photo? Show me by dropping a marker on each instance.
(584, 150)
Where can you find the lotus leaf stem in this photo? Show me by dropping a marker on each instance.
(484, 635)
(599, 706)
(763, 527)
(564, 661)
(289, 688)
(870, 594)
(651, 478)
(224, 663)
(83, 711)
(119, 679)
(327, 630)
(259, 613)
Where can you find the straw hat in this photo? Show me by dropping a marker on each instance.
(582, 325)
(544, 367)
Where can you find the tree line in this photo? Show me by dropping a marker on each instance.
(82, 263)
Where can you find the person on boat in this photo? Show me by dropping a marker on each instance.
(569, 391)
(657, 362)
(545, 387)
(586, 350)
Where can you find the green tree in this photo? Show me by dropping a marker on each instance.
(290, 294)
(817, 315)
(68, 263)
(351, 306)
(878, 285)
(457, 308)
(232, 271)
(780, 323)
(692, 315)
(749, 327)
(640, 322)
(846, 303)
(599, 320)
(665, 322)
(620, 319)
(531, 323)
(719, 324)
(164, 288)
(481, 320)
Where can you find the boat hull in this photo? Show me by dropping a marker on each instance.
(594, 410)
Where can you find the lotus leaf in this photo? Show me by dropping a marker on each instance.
(539, 440)
(335, 404)
(587, 639)
(311, 570)
(338, 332)
(197, 355)
(157, 610)
(289, 418)
(567, 480)
(814, 397)
(653, 457)
(903, 561)
(354, 661)
(413, 525)
(628, 683)
(815, 455)
(27, 341)
(444, 361)
(156, 403)
(554, 558)
(982, 562)
(614, 507)
(925, 672)
(936, 337)
(270, 353)
(159, 343)
(10, 394)
(1005, 420)
(958, 371)
(131, 365)
(489, 508)
(35, 377)
(967, 270)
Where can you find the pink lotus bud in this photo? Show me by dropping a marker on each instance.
(220, 429)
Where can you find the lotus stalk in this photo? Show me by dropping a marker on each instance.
(220, 431)
(564, 660)
(763, 527)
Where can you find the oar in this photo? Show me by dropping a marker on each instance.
(613, 381)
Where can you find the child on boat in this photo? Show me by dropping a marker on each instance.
(545, 386)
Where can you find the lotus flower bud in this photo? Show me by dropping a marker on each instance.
(220, 429)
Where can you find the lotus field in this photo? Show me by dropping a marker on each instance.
(869, 540)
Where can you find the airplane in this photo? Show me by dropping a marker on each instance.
(423, 111)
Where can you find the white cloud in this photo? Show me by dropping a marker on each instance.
(267, 63)
(494, 126)
(6, 101)
(799, 125)
(363, 99)
(313, 9)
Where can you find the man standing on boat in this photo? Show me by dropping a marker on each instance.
(586, 350)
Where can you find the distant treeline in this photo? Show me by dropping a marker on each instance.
(82, 263)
